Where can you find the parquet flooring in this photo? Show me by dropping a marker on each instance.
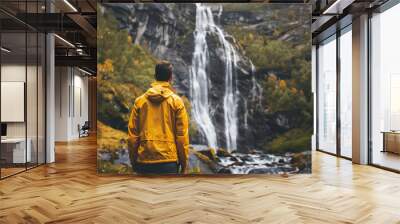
(70, 191)
(11, 170)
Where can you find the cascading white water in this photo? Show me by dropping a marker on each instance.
(230, 98)
(256, 90)
(246, 114)
(254, 83)
(199, 88)
(199, 78)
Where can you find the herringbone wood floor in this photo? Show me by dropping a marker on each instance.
(70, 191)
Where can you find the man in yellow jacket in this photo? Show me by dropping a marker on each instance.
(158, 128)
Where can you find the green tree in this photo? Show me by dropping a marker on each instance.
(125, 71)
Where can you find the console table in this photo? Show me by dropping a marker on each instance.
(13, 150)
(391, 141)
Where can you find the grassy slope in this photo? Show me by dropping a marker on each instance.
(110, 138)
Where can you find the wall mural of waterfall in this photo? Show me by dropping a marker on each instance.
(243, 72)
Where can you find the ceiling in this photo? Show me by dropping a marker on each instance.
(73, 21)
(331, 15)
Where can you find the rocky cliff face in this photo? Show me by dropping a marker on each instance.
(167, 31)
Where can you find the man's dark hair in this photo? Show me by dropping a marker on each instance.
(163, 71)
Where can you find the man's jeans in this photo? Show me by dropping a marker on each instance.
(156, 168)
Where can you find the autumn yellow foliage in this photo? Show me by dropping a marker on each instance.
(106, 67)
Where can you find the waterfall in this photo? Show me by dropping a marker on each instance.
(256, 90)
(141, 29)
(199, 88)
(230, 99)
(254, 83)
(246, 114)
(199, 78)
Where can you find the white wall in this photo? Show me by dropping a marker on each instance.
(61, 103)
(80, 111)
(71, 102)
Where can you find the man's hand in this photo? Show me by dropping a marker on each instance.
(184, 169)
(182, 137)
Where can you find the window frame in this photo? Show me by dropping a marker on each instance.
(339, 32)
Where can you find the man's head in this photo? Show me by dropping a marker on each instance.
(163, 71)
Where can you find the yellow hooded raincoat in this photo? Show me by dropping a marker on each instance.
(158, 127)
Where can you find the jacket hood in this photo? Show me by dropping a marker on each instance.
(159, 91)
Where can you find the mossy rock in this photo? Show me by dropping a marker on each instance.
(223, 153)
(301, 160)
(204, 156)
(210, 154)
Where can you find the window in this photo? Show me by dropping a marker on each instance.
(327, 95)
(385, 88)
(22, 77)
(346, 92)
